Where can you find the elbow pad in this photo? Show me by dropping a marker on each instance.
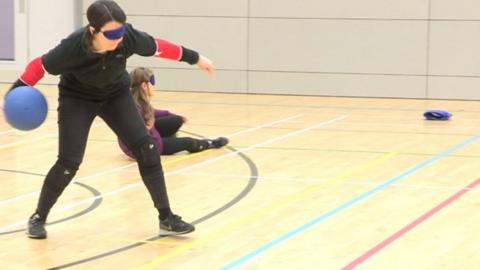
(34, 72)
(168, 50)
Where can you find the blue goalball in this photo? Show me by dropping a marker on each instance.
(25, 108)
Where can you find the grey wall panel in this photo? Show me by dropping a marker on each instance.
(454, 88)
(454, 48)
(182, 7)
(337, 84)
(378, 48)
(7, 38)
(48, 26)
(392, 9)
(345, 46)
(196, 80)
(223, 40)
(455, 10)
(85, 4)
(9, 76)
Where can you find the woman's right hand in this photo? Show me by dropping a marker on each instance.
(206, 65)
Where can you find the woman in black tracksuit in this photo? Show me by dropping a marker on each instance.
(94, 82)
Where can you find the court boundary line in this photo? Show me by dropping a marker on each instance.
(426, 186)
(261, 212)
(418, 221)
(355, 200)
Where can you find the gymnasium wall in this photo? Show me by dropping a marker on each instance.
(378, 48)
(374, 48)
(39, 26)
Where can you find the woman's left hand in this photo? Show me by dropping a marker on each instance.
(206, 65)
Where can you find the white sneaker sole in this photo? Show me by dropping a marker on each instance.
(164, 232)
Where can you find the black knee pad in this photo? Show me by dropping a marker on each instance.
(61, 174)
(177, 121)
(147, 155)
(69, 163)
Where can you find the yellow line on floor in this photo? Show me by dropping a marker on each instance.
(259, 213)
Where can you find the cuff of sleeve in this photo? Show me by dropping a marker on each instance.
(189, 56)
(18, 83)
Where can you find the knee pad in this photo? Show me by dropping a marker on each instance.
(147, 156)
(69, 163)
(178, 121)
(61, 174)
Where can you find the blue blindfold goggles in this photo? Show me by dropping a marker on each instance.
(152, 79)
(115, 33)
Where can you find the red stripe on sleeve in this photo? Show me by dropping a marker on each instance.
(166, 49)
(33, 72)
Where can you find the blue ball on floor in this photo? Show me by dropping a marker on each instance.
(25, 108)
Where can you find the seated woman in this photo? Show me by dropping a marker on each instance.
(162, 124)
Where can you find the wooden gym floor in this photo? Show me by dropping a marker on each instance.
(306, 183)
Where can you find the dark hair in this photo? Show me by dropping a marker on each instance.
(99, 13)
(103, 11)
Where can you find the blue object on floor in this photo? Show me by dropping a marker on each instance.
(437, 115)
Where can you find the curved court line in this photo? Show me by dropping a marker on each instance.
(410, 226)
(96, 203)
(137, 184)
(267, 246)
(251, 183)
(262, 212)
(75, 204)
(19, 197)
(239, 152)
(133, 164)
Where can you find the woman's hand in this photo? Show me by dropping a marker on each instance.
(206, 65)
(149, 123)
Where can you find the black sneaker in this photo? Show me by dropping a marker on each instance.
(36, 227)
(174, 225)
(218, 142)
